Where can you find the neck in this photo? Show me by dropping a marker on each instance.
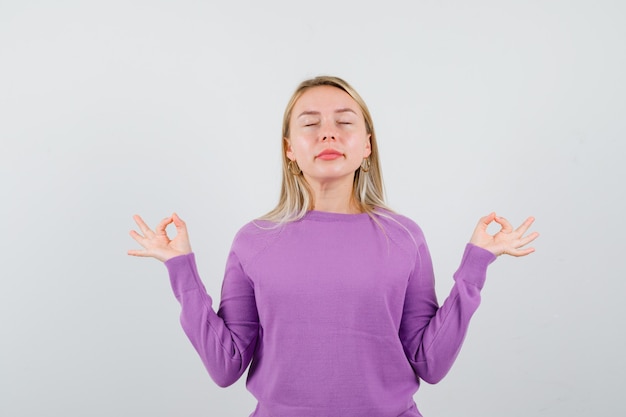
(334, 198)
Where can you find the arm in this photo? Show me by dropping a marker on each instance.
(433, 336)
(225, 340)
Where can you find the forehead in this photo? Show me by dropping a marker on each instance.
(325, 99)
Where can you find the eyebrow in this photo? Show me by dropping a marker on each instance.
(316, 113)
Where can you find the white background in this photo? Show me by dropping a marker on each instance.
(110, 108)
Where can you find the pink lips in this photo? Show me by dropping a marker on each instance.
(329, 155)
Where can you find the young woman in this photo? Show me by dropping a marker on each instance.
(330, 297)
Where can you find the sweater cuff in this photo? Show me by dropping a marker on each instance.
(183, 274)
(473, 268)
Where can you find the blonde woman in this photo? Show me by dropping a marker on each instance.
(330, 297)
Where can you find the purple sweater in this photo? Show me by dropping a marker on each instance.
(336, 314)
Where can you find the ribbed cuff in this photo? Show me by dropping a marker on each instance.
(473, 268)
(183, 274)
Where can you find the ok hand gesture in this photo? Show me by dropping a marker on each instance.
(506, 241)
(157, 244)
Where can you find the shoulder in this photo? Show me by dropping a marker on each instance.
(400, 228)
(253, 237)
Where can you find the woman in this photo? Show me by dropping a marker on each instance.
(330, 297)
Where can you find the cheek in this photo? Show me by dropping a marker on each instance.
(299, 146)
(359, 140)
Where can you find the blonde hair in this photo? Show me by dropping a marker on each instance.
(296, 197)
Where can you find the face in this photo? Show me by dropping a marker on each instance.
(328, 138)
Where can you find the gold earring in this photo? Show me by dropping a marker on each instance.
(293, 167)
(366, 164)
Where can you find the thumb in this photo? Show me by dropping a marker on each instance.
(487, 220)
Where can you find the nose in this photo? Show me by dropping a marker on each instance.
(328, 133)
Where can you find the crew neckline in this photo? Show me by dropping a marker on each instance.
(327, 216)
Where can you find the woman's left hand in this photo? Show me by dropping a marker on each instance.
(157, 244)
(506, 241)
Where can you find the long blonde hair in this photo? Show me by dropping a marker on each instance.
(296, 197)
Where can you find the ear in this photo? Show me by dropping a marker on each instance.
(288, 150)
(368, 147)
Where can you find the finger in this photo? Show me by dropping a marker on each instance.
(528, 239)
(520, 252)
(160, 229)
(524, 226)
(504, 223)
(136, 252)
(137, 237)
(181, 226)
(142, 225)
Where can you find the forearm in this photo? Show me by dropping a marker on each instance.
(223, 357)
(443, 337)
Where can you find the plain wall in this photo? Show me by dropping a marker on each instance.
(111, 108)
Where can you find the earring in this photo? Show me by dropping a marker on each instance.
(293, 167)
(366, 165)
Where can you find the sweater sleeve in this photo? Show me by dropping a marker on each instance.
(432, 336)
(224, 340)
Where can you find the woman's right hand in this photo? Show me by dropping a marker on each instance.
(157, 244)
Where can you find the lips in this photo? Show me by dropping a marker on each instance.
(329, 154)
